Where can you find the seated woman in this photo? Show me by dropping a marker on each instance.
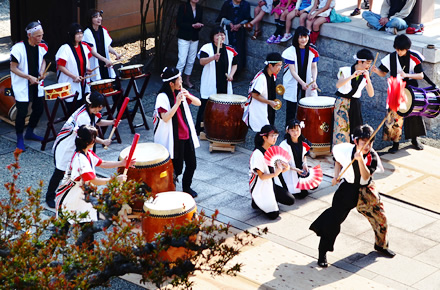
(264, 191)
(319, 15)
(263, 7)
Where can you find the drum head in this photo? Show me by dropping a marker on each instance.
(57, 86)
(147, 154)
(101, 82)
(131, 66)
(228, 98)
(170, 203)
(317, 102)
(406, 108)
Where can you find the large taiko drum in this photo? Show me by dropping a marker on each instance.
(103, 86)
(317, 114)
(126, 72)
(153, 167)
(423, 102)
(172, 209)
(59, 90)
(223, 119)
(7, 100)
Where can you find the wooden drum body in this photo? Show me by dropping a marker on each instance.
(153, 167)
(60, 90)
(129, 71)
(172, 209)
(223, 119)
(103, 86)
(317, 114)
(7, 100)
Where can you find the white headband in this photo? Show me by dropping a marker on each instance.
(88, 99)
(266, 62)
(356, 58)
(32, 30)
(171, 78)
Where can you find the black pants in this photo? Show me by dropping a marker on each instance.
(22, 110)
(200, 116)
(54, 182)
(186, 153)
(291, 108)
(282, 196)
(328, 224)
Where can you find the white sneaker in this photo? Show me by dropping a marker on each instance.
(286, 37)
(391, 30)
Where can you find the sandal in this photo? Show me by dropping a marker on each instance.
(248, 26)
(257, 33)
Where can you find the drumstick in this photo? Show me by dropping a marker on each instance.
(319, 90)
(94, 68)
(45, 71)
(118, 118)
(91, 76)
(377, 54)
(130, 155)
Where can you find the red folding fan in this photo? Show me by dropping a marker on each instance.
(311, 180)
(274, 154)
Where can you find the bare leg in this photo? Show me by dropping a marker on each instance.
(259, 14)
(302, 19)
(284, 14)
(318, 22)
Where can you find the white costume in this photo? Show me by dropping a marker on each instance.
(94, 62)
(321, 5)
(64, 145)
(66, 53)
(70, 195)
(415, 59)
(291, 176)
(163, 131)
(208, 83)
(261, 190)
(345, 72)
(255, 112)
(289, 82)
(20, 85)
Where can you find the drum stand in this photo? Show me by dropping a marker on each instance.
(51, 133)
(216, 146)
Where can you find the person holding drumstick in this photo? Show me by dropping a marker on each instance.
(174, 127)
(27, 69)
(407, 63)
(259, 109)
(351, 81)
(64, 145)
(70, 196)
(300, 71)
(219, 66)
(98, 37)
(265, 192)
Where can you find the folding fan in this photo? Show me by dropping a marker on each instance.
(274, 154)
(311, 180)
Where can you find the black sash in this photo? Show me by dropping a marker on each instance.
(302, 70)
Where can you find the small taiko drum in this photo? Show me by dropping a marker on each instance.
(153, 167)
(317, 114)
(7, 100)
(126, 72)
(423, 102)
(54, 91)
(168, 209)
(223, 119)
(103, 86)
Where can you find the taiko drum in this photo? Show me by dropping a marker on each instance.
(7, 100)
(60, 90)
(103, 86)
(126, 72)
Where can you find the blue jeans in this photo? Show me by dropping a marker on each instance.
(374, 18)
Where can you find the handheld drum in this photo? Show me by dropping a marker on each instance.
(153, 167)
(103, 86)
(173, 209)
(131, 71)
(223, 119)
(54, 91)
(317, 114)
(423, 102)
(7, 100)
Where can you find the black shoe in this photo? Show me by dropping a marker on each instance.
(387, 252)
(322, 260)
(191, 192)
(356, 11)
(395, 148)
(417, 145)
(302, 194)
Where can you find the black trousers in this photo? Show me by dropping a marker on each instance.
(328, 224)
(200, 115)
(54, 182)
(291, 108)
(186, 153)
(22, 110)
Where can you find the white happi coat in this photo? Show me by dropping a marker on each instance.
(65, 52)
(291, 176)
(20, 86)
(255, 112)
(163, 131)
(345, 72)
(289, 82)
(208, 82)
(94, 62)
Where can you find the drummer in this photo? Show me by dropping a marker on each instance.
(351, 81)
(219, 66)
(407, 63)
(27, 69)
(174, 127)
(259, 109)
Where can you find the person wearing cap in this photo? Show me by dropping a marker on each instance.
(351, 81)
(259, 108)
(98, 37)
(356, 189)
(64, 145)
(174, 126)
(27, 70)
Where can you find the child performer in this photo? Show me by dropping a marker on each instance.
(80, 171)
(265, 193)
(64, 145)
(319, 15)
(352, 80)
(299, 71)
(357, 189)
(263, 7)
(259, 109)
(174, 126)
(302, 7)
(407, 63)
(298, 147)
(280, 13)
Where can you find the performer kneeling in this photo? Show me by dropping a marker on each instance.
(264, 191)
(174, 126)
(298, 147)
(357, 189)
